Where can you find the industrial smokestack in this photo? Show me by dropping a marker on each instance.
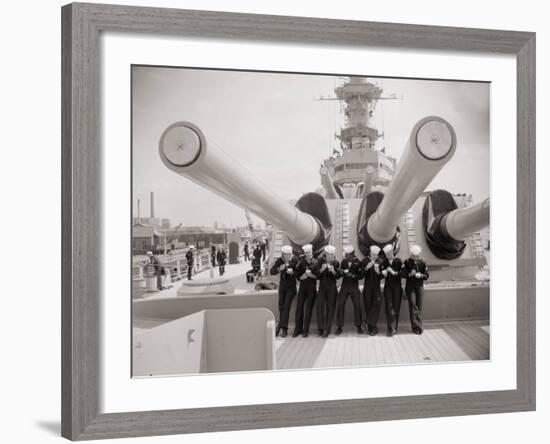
(152, 204)
(139, 211)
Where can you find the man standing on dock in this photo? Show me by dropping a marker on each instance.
(257, 253)
(190, 261)
(392, 271)
(221, 257)
(328, 272)
(254, 271)
(285, 266)
(307, 292)
(352, 273)
(416, 271)
(159, 268)
(213, 254)
(372, 295)
(246, 252)
(263, 249)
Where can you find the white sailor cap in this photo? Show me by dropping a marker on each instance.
(374, 249)
(307, 248)
(149, 253)
(329, 249)
(416, 250)
(286, 249)
(348, 249)
(388, 248)
(191, 247)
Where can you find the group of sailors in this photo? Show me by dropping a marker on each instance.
(259, 254)
(259, 250)
(318, 278)
(160, 269)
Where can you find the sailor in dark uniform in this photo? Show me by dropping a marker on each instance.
(307, 293)
(392, 271)
(257, 253)
(213, 254)
(285, 266)
(190, 261)
(246, 252)
(328, 272)
(221, 257)
(263, 249)
(351, 275)
(254, 272)
(416, 272)
(372, 295)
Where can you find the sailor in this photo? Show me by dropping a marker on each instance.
(190, 261)
(254, 272)
(352, 273)
(285, 266)
(392, 271)
(416, 272)
(307, 293)
(159, 268)
(221, 257)
(372, 295)
(246, 252)
(257, 253)
(213, 255)
(328, 272)
(263, 248)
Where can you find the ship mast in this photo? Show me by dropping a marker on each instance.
(360, 164)
(360, 98)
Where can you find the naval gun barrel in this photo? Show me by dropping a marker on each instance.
(184, 150)
(447, 227)
(431, 144)
(464, 222)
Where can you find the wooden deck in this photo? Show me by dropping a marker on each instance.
(440, 342)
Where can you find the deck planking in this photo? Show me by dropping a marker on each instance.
(450, 341)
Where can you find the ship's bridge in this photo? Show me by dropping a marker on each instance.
(358, 131)
(352, 166)
(358, 87)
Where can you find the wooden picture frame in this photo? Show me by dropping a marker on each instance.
(81, 252)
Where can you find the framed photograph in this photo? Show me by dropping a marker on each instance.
(278, 221)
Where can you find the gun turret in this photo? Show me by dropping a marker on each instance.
(431, 144)
(446, 227)
(183, 149)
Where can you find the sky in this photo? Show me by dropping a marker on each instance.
(272, 124)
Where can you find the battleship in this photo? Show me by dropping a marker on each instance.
(366, 198)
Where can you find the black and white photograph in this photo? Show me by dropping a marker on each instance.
(274, 222)
(294, 221)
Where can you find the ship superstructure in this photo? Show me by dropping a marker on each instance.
(361, 164)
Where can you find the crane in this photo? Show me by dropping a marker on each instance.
(171, 238)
